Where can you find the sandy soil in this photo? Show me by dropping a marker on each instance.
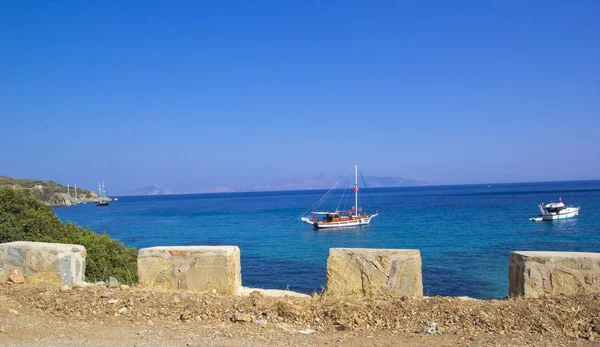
(45, 315)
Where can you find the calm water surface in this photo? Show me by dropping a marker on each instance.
(464, 233)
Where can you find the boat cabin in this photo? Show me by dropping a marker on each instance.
(340, 216)
(554, 207)
(336, 217)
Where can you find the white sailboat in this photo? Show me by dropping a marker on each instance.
(339, 219)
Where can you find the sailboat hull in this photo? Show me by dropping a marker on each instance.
(339, 224)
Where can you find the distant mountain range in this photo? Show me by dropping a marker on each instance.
(316, 182)
(326, 182)
(150, 190)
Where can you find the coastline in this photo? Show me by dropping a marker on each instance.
(65, 200)
(51, 193)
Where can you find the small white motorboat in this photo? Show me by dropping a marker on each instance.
(555, 211)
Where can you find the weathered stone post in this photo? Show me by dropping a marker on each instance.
(535, 274)
(194, 268)
(54, 262)
(374, 272)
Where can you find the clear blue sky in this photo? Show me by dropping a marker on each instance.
(199, 94)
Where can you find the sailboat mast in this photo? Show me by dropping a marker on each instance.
(355, 189)
(76, 193)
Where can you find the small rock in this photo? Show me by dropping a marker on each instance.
(123, 310)
(596, 329)
(106, 295)
(307, 331)
(2, 331)
(81, 285)
(214, 291)
(142, 332)
(185, 315)
(64, 288)
(112, 301)
(359, 321)
(100, 283)
(433, 329)
(150, 322)
(16, 277)
(112, 282)
(124, 287)
(198, 318)
(241, 317)
(13, 311)
(261, 321)
(340, 326)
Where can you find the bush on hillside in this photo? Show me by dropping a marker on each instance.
(23, 218)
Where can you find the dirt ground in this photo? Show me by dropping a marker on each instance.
(46, 315)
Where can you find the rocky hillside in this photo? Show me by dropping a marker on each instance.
(48, 192)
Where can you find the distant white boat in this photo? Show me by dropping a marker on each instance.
(555, 211)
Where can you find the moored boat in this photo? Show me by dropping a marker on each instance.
(555, 211)
(339, 219)
(104, 200)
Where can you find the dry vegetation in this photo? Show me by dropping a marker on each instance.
(150, 317)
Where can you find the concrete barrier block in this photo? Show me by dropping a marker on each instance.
(194, 268)
(536, 274)
(61, 263)
(374, 272)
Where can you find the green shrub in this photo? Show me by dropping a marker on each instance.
(23, 218)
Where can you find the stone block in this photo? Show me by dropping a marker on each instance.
(56, 262)
(374, 272)
(194, 268)
(536, 274)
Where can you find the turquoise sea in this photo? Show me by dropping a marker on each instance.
(465, 233)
